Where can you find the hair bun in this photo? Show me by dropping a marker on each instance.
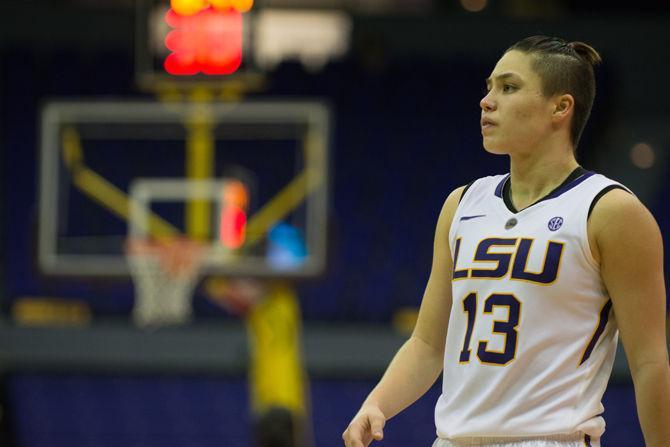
(586, 52)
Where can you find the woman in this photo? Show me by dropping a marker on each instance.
(534, 274)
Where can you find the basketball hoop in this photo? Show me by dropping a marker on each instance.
(165, 273)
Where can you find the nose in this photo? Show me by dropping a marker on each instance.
(487, 104)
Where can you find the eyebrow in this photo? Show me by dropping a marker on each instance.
(501, 77)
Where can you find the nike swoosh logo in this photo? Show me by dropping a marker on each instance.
(472, 217)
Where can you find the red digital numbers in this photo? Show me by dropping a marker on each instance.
(208, 41)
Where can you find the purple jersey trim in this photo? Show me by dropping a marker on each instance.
(569, 186)
(499, 188)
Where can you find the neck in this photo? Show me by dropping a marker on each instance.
(536, 174)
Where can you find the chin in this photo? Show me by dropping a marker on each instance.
(492, 148)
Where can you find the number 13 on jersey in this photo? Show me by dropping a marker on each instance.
(505, 328)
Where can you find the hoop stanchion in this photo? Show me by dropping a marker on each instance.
(165, 274)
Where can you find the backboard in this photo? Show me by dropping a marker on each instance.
(110, 169)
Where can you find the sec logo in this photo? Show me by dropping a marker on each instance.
(555, 223)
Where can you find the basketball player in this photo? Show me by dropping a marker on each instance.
(535, 273)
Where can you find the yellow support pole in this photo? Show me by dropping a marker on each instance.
(282, 204)
(200, 155)
(292, 195)
(101, 190)
(276, 373)
(116, 201)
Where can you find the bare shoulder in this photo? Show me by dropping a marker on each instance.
(447, 214)
(443, 227)
(451, 203)
(619, 208)
(619, 219)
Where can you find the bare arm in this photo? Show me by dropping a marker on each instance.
(629, 245)
(418, 363)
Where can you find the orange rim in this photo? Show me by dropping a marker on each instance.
(177, 256)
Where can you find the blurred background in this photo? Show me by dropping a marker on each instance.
(377, 100)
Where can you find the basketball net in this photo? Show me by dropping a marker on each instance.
(165, 273)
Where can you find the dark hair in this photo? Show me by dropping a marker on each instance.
(564, 68)
(275, 428)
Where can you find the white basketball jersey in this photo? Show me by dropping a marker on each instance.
(531, 338)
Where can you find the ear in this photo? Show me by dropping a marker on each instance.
(563, 107)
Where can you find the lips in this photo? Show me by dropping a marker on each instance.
(487, 123)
